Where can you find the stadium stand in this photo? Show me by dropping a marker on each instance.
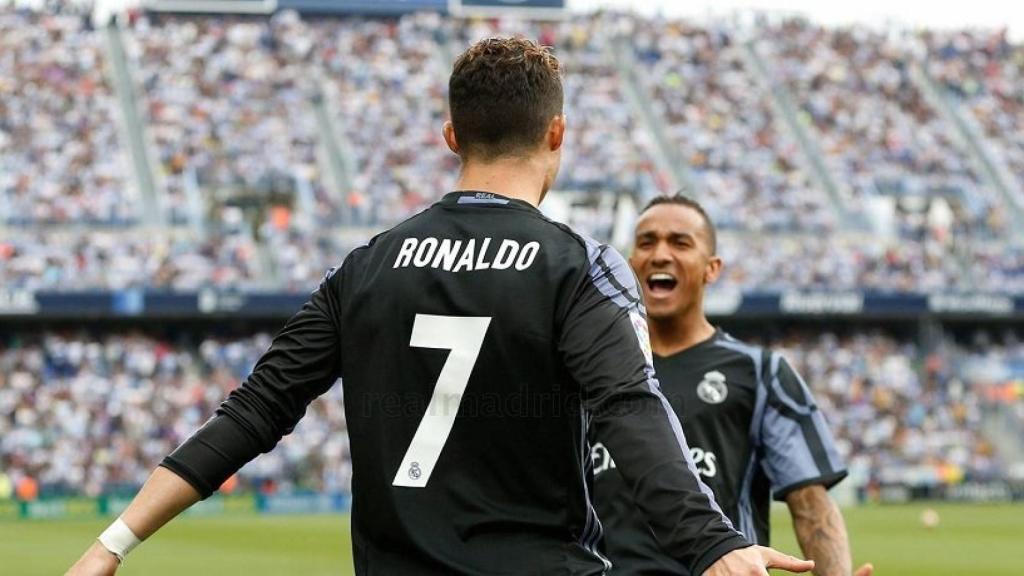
(93, 414)
(879, 133)
(231, 119)
(720, 121)
(61, 157)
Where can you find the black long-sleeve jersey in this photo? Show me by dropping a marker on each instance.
(477, 343)
(755, 432)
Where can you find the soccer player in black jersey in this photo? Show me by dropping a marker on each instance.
(753, 427)
(477, 344)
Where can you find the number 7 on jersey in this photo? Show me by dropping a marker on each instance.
(463, 335)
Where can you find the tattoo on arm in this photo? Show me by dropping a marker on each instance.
(820, 530)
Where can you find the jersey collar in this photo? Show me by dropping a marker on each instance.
(715, 336)
(480, 198)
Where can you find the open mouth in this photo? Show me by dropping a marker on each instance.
(661, 283)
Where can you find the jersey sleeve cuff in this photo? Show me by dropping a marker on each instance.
(826, 480)
(188, 475)
(705, 561)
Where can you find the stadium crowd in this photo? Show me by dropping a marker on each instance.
(850, 262)
(61, 158)
(225, 101)
(387, 81)
(984, 70)
(91, 414)
(230, 106)
(722, 124)
(900, 415)
(874, 124)
(117, 260)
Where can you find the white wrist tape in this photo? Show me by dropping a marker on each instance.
(119, 539)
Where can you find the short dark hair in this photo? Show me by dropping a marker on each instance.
(503, 93)
(683, 200)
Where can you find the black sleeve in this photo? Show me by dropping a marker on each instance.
(302, 363)
(796, 441)
(605, 345)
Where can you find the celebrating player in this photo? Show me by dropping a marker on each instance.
(477, 342)
(754, 429)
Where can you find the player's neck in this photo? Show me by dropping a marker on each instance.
(519, 178)
(677, 333)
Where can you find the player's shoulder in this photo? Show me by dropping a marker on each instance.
(606, 268)
(774, 372)
(733, 347)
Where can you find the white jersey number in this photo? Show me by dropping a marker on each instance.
(463, 335)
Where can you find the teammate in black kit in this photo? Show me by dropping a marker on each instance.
(753, 428)
(477, 343)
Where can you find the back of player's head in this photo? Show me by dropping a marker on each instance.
(503, 93)
(683, 200)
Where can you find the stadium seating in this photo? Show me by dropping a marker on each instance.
(256, 197)
(982, 70)
(61, 157)
(901, 416)
(93, 413)
(226, 104)
(878, 131)
(722, 125)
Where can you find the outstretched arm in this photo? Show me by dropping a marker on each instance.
(302, 363)
(163, 496)
(820, 529)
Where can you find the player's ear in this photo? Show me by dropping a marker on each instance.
(449, 137)
(712, 270)
(556, 132)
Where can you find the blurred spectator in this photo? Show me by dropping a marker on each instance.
(721, 121)
(92, 415)
(847, 262)
(879, 134)
(984, 72)
(900, 417)
(60, 157)
(83, 260)
(228, 103)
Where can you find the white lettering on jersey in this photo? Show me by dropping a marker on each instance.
(527, 256)
(466, 260)
(706, 462)
(464, 256)
(481, 264)
(405, 254)
(602, 459)
(425, 253)
(446, 254)
(506, 255)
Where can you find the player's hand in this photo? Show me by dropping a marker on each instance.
(97, 561)
(865, 570)
(755, 561)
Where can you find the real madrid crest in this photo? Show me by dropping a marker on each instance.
(712, 388)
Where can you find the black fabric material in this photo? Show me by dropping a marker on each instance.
(510, 491)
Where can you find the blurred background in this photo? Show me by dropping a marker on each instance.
(176, 176)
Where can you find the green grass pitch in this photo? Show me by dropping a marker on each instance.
(975, 540)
